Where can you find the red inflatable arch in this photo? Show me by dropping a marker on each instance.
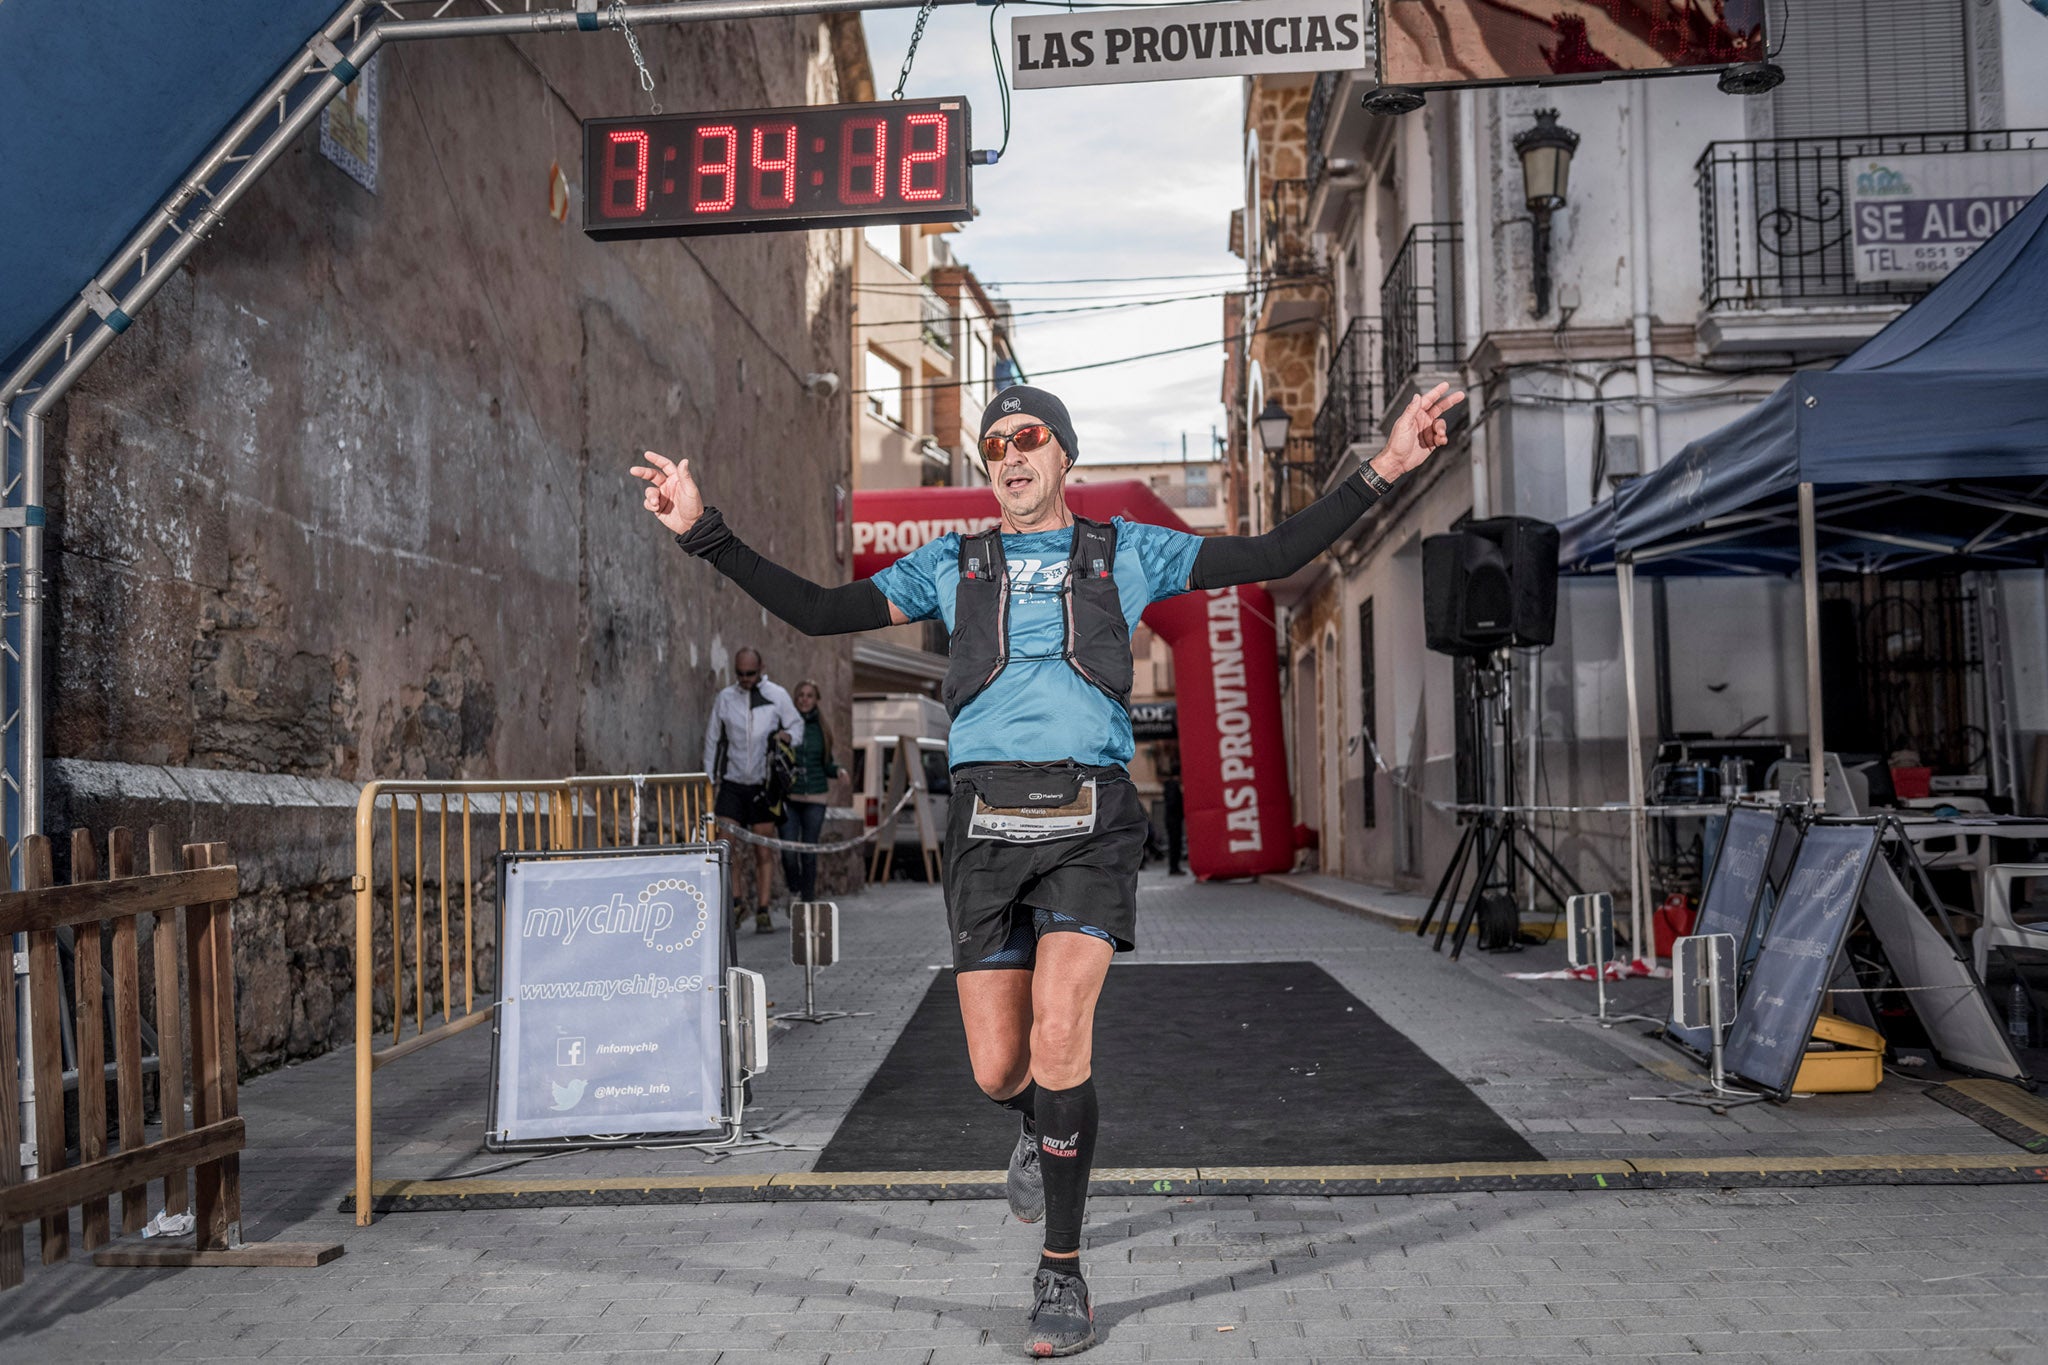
(1225, 666)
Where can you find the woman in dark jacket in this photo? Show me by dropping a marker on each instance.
(803, 812)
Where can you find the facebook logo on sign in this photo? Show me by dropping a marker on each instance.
(568, 1052)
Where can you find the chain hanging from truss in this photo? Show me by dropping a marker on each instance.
(618, 18)
(924, 13)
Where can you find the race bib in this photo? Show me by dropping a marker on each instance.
(1032, 824)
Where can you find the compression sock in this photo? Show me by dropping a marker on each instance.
(1024, 1102)
(1065, 1265)
(1066, 1143)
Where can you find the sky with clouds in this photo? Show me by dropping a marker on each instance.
(1099, 181)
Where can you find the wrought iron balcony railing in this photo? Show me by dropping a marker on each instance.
(1348, 413)
(1295, 483)
(937, 319)
(1774, 215)
(1420, 307)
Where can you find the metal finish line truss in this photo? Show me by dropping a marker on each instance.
(109, 301)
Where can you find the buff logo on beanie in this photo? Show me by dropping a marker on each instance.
(1033, 402)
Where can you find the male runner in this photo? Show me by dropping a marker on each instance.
(1045, 831)
(747, 716)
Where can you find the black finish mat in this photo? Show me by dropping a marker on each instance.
(1228, 1064)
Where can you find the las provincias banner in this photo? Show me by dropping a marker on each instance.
(1233, 751)
(1185, 42)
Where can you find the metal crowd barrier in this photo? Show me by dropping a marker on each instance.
(424, 858)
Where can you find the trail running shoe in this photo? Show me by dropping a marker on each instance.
(763, 924)
(1026, 1182)
(1062, 1320)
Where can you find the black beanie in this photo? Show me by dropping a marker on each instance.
(1036, 403)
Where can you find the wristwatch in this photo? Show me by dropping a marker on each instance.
(1374, 481)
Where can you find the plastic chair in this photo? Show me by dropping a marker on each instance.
(2015, 910)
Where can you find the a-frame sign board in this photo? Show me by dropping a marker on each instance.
(908, 768)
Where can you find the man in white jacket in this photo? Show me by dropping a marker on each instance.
(745, 719)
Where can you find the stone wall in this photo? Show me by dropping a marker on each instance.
(1277, 110)
(350, 499)
(1277, 107)
(1287, 364)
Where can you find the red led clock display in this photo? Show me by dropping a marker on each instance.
(762, 170)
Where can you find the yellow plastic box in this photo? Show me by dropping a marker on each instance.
(1833, 1028)
(1850, 1060)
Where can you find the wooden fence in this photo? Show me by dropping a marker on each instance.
(196, 898)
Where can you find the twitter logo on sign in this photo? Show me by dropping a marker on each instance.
(566, 1096)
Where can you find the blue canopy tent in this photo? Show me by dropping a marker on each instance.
(1926, 446)
(103, 109)
(1931, 440)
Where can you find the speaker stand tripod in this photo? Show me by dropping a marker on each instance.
(1495, 843)
(1497, 839)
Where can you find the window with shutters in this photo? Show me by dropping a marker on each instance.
(1862, 78)
(1871, 66)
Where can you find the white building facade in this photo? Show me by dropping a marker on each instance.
(1700, 257)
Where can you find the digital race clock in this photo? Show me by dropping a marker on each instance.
(765, 170)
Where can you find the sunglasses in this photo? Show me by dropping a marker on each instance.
(1026, 439)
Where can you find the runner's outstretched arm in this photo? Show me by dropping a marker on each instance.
(811, 607)
(1226, 561)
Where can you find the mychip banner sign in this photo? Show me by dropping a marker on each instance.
(1183, 42)
(1915, 218)
(608, 1016)
(1783, 998)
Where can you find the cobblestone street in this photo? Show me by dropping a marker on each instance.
(1866, 1273)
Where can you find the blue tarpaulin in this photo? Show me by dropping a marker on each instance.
(103, 109)
(1928, 443)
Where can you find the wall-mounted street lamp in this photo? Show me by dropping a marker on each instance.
(1546, 152)
(1273, 424)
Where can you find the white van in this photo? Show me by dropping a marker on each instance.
(879, 721)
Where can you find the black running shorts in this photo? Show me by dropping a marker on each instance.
(1088, 879)
(744, 803)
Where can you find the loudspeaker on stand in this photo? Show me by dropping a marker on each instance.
(1490, 584)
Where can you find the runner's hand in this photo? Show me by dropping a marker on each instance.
(1419, 430)
(671, 493)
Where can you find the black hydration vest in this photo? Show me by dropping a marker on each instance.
(1096, 643)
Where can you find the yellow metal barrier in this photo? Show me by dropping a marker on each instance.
(426, 826)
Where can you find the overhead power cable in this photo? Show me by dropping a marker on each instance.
(1124, 279)
(1076, 369)
(1247, 277)
(917, 290)
(1042, 313)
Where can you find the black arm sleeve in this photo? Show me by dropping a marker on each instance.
(810, 607)
(1226, 561)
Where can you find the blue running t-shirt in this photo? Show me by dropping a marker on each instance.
(1039, 710)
